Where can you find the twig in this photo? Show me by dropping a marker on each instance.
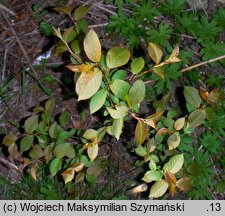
(7, 10)
(9, 164)
(98, 25)
(4, 65)
(203, 63)
(35, 76)
(105, 9)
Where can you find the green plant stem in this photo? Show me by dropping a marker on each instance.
(71, 52)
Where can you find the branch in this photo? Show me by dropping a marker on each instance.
(7, 10)
(9, 164)
(203, 63)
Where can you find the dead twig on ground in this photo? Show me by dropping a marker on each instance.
(34, 75)
(9, 164)
(203, 63)
(2, 7)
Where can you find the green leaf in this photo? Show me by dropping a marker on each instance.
(152, 165)
(88, 84)
(120, 88)
(65, 149)
(95, 169)
(82, 26)
(75, 46)
(192, 96)
(141, 151)
(91, 179)
(160, 72)
(59, 49)
(36, 152)
(31, 124)
(120, 74)
(55, 166)
(50, 104)
(53, 130)
(63, 135)
(137, 92)
(117, 57)
(119, 112)
(152, 176)
(117, 127)
(92, 46)
(175, 164)
(151, 145)
(45, 28)
(173, 140)
(26, 143)
(84, 159)
(98, 100)
(141, 132)
(196, 118)
(158, 189)
(64, 118)
(69, 35)
(137, 65)
(80, 12)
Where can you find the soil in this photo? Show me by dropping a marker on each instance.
(21, 43)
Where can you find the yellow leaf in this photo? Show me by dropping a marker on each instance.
(151, 123)
(172, 190)
(179, 124)
(87, 145)
(159, 71)
(88, 84)
(153, 119)
(92, 46)
(214, 97)
(173, 57)
(68, 174)
(89, 134)
(170, 178)
(155, 52)
(78, 166)
(204, 93)
(92, 151)
(83, 68)
(63, 9)
(173, 140)
(79, 177)
(141, 132)
(33, 171)
(184, 184)
(119, 112)
(158, 189)
(156, 116)
(162, 131)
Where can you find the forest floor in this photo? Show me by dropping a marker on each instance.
(21, 43)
